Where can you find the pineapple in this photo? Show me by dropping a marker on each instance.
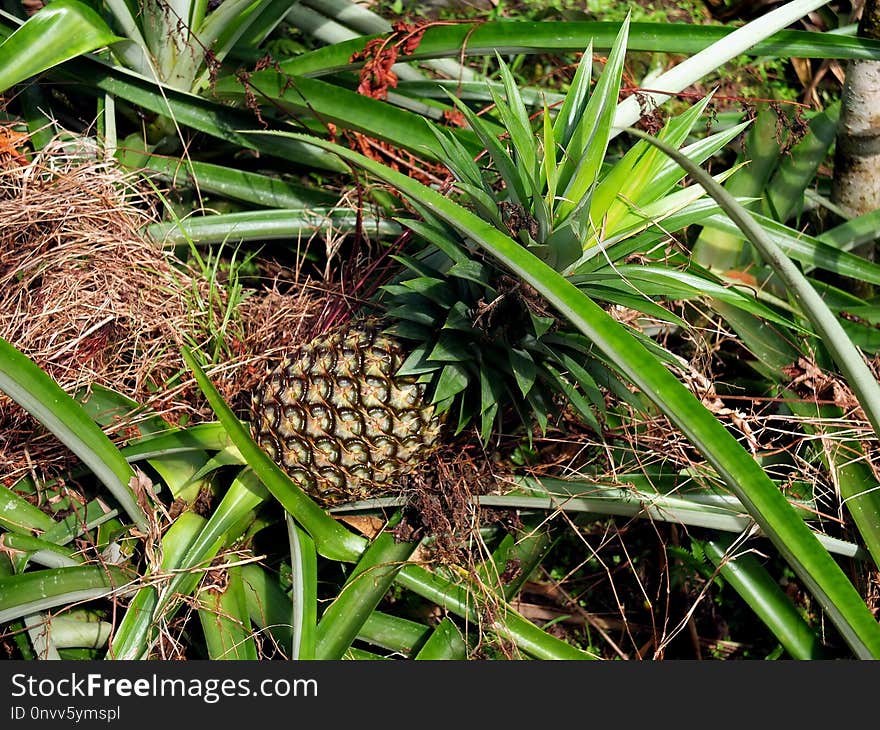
(337, 417)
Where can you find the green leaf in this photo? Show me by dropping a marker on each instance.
(445, 642)
(557, 137)
(585, 151)
(190, 543)
(487, 38)
(517, 189)
(268, 225)
(507, 623)
(56, 33)
(758, 588)
(449, 348)
(229, 182)
(304, 595)
(268, 605)
(797, 170)
(368, 583)
(393, 633)
(223, 615)
(332, 104)
(453, 379)
(189, 110)
(20, 516)
(39, 590)
(23, 381)
(524, 369)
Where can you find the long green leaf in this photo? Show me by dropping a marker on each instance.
(189, 110)
(445, 642)
(304, 595)
(190, 544)
(39, 590)
(826, 324)
(268, 604)
(506, 37)
(230, 182)
(223, 614)
(506, 622)
(331, 104)
(20, 516)
(268, 225)
(393, 633)
(763, 594)
(23, 381)
(695, 67)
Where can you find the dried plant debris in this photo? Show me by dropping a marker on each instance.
(92, 301)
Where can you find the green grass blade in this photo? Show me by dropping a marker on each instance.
(23, 381)
(735, 466)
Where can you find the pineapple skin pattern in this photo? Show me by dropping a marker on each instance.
(339, 421)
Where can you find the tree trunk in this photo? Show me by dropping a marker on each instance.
(856, 184)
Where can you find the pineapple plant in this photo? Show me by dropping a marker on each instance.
(466, 342)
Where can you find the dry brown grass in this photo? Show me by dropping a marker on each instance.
(92, 301)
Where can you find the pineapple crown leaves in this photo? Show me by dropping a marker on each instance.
(479, 339)
(552, 189)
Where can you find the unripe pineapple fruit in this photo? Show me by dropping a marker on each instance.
(336, 417)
